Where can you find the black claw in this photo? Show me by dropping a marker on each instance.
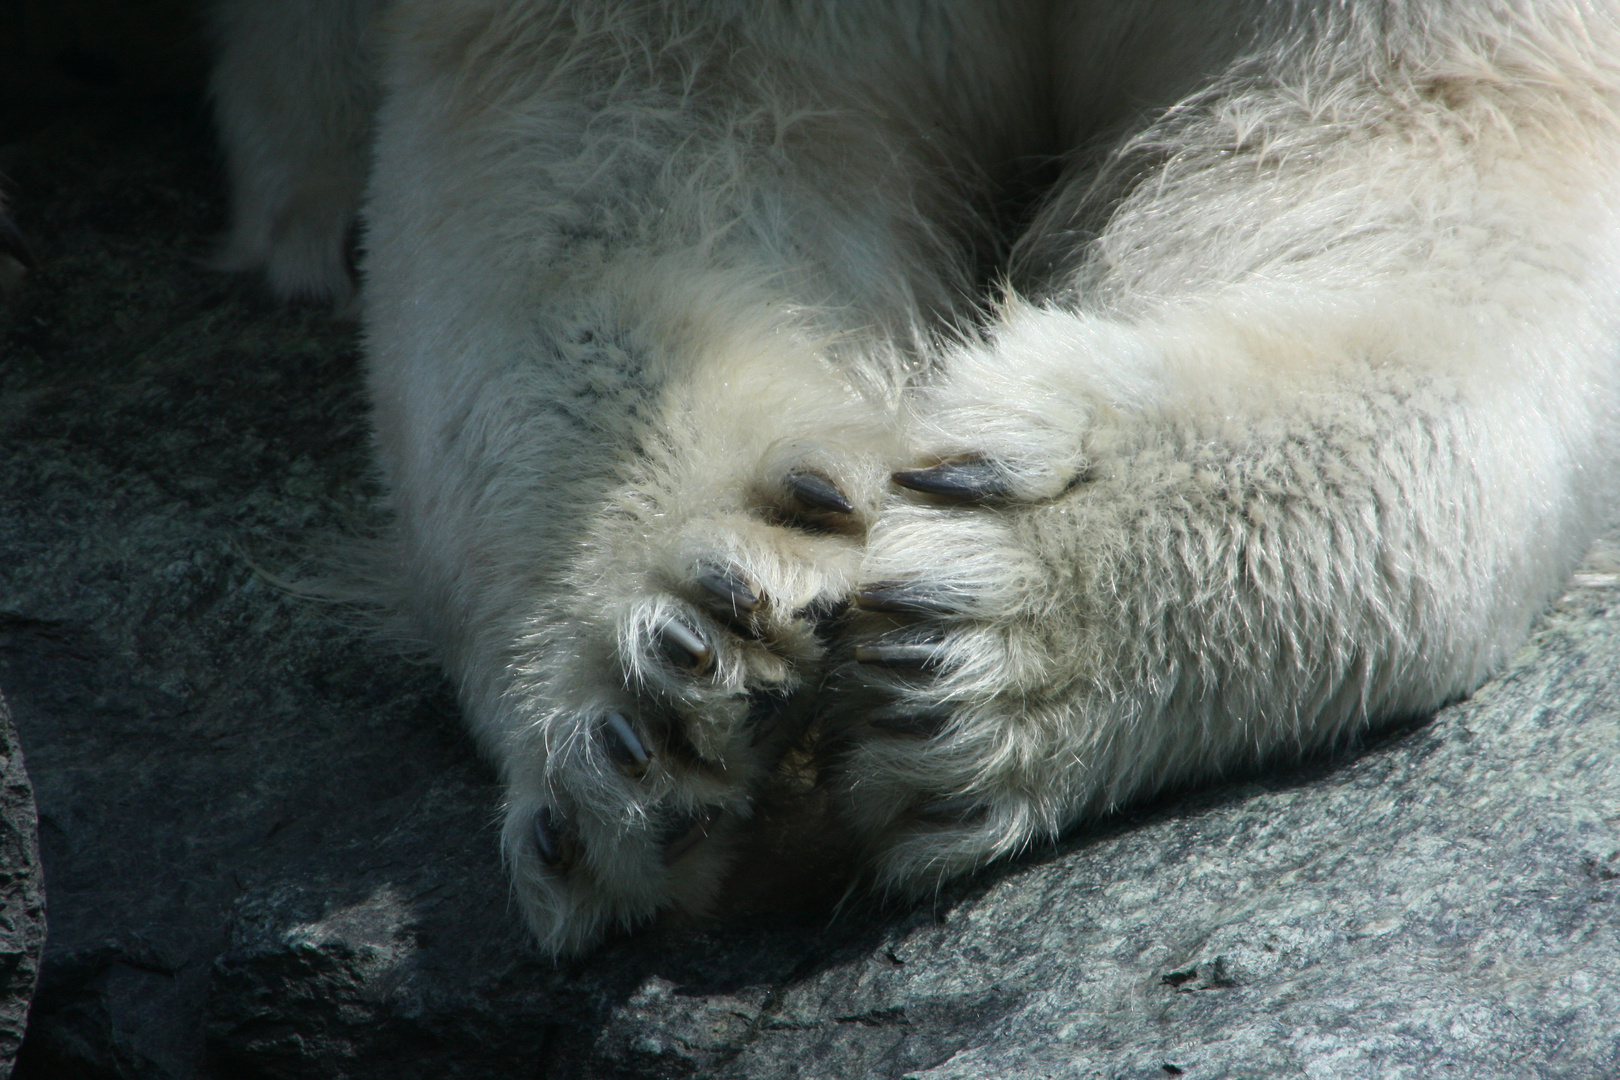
(817, 492)
(681, 835)
(546, 844)
(955, 810)
(624, 746)
(683, 647)
(730, 588)
(900, 656)
(13, 244)
(911, 598)
(910, 720)
(971, 479)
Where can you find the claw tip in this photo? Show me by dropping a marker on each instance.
(624, 746)
(683, 646)
(545, 837)
(968, 478)
(818, 492)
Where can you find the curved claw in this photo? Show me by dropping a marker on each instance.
(911, 598)
(544, 832)
(624, 746)
(970, 479)
(817, 492)
(684, 648)
(906, 655)
(727, 585)
(685, 833)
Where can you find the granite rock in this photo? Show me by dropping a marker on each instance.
(271, 851)
(22, 895)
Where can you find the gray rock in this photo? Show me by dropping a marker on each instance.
(22, 894)
(271, 850)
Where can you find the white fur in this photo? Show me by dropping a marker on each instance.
(294, 90)
(1301, 384)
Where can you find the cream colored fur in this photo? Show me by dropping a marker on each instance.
(1291, 403)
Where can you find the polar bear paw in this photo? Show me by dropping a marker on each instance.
(673, 687)
(954, 738)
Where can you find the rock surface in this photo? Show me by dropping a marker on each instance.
(22, 895)
(271, 851)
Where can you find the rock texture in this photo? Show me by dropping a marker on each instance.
(271, 852)
(22, 896)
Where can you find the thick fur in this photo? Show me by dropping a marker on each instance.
(1288, 396)
(294, 91)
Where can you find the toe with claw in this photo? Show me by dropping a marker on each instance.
(624, 747)
(972, 478)
(548, 846)
(684, 648)
(728, 590)
(816, 492)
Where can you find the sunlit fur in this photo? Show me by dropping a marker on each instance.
(1300, 376)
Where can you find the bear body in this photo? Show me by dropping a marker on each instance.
(1025, 405)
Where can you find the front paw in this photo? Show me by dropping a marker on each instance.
(652, 713)
(958, 721)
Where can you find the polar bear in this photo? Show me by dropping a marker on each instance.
(1022, 405)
